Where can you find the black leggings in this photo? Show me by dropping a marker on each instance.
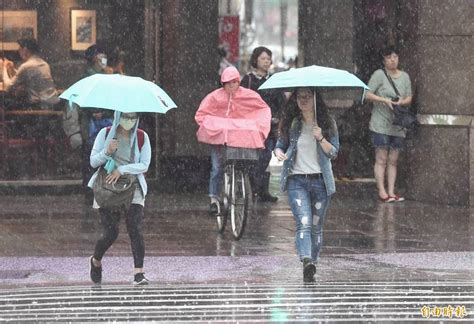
(110, 230)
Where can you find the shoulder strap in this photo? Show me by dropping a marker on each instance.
(249, 84)
(140, 136)
(391, 82)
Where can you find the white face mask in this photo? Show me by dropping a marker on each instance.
(103, 62)
(127, 124)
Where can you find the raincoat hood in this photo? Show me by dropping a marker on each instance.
(229, 74)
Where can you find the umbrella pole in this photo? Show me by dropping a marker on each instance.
(314, 103)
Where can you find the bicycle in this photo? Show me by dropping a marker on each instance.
(236, 195)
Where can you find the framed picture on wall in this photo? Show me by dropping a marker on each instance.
(16, 24)
(83, 29)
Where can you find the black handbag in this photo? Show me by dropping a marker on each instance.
(403, 116)
(114, 196)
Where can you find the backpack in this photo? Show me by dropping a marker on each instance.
(140, 136)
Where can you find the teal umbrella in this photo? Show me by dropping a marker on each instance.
(337, 84)
(118, 92)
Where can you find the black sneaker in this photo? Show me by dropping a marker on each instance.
(214, 209)
(309, 270)
(267, 197)
(140, 280)
(96, 272)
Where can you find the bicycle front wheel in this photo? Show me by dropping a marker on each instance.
(221, 218)
(240, 201)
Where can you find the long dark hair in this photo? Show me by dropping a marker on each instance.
(292, 111)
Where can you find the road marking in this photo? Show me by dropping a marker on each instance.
(335, 301)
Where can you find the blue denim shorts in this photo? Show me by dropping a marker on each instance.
(387, 141)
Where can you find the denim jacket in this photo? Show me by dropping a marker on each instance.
(288, 145)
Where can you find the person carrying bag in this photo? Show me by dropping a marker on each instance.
(122, 153)
(119, 194)
(388, 137)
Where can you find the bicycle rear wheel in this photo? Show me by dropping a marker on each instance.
(221, 219)
(240, 201)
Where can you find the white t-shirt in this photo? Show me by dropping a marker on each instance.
(306, 161)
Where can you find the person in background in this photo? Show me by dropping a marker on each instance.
(97, 122)
(96, 60)
(387, 138)
(92, 120)
(223, 59)
(307, 143)
(116, 62)
(31, 85)
(130, 148)
(261, 60)
(293, 63)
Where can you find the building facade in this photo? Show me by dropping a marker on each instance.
(174, 42)
(435, 39)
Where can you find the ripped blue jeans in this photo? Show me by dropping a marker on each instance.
(309, 203)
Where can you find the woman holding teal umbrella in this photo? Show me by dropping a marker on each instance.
(307, 143)
(122, 149)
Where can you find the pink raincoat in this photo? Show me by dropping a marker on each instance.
(238, 120)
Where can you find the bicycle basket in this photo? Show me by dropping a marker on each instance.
(241, 153)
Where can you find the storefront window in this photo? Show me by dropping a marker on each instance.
(45, 47)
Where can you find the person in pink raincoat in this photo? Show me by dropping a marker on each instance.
(232, 116)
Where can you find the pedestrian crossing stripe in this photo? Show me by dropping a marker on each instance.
(334, 301)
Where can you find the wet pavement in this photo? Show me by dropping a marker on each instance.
(379, 261)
